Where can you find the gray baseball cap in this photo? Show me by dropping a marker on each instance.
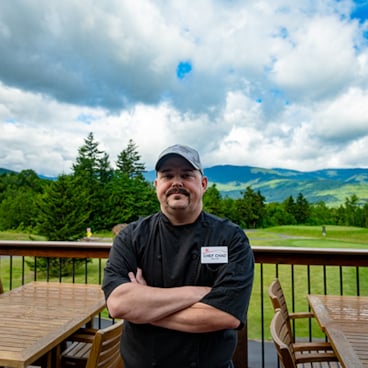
(188, 153)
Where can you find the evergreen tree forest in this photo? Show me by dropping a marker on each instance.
(98, 196)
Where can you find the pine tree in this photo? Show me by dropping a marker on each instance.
(251, 208)
(131, 196)
(86, 165)
(128, 162)
(301, 209)
(212, 201)
(63, 215)
(63, 211)
(92, 172)
(289, 205)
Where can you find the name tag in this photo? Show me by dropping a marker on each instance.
(214, 255)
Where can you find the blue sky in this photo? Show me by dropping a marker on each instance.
(277, 83)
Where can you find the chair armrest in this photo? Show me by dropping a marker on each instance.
(312, 346)
(83, 335)
(295, 315)
(316, 357)
(87, 330)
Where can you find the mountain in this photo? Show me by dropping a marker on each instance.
(332, 186)
(5, 171)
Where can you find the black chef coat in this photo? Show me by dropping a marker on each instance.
(170, 256)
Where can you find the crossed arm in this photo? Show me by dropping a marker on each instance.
(174, 308)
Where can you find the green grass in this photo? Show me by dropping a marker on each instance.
(292, 278)
(16, 235)
(308, 237)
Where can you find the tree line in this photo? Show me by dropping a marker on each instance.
(97, 196)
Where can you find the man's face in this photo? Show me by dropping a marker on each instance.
(179, 187)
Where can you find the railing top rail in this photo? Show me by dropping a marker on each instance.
(57, 243)
(311, 256)
(77, 249)
(262, 254)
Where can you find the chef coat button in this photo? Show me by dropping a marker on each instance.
(194, 256)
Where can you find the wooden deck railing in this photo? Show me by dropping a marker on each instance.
(298, 268)
(272, 255)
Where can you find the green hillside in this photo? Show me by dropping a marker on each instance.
(332, 186)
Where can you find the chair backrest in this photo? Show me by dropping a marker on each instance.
(105, 351)
(283, 340)
(277, 297)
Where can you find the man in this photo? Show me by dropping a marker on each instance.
(181, 278)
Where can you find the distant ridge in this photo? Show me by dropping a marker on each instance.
(332, 186)
(4, 171)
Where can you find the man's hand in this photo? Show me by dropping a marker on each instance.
(138, 278)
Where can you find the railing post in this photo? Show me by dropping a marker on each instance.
(240, 357)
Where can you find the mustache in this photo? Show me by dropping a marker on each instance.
(177, 191)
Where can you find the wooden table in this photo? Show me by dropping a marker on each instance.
(344, 319)
(37, 317)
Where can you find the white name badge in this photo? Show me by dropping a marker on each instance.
(214, 255)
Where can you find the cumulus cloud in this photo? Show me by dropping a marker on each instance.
(272, 84)
(320, 60)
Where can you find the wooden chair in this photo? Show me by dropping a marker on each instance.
(278, 300)
(301, 355)
(276, 294)
(92, 348)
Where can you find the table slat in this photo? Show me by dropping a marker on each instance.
(344, 319)
(37, 317)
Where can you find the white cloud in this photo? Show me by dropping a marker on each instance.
(344, 118)
(273, 83)
(320, 60)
